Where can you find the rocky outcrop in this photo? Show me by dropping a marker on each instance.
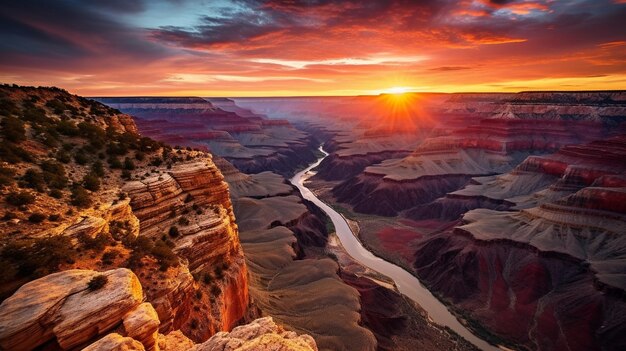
(67, 311)
(62, 309)
(208, 239)
(115, 342)
(262, 334)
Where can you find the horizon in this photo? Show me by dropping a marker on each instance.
(273, 48)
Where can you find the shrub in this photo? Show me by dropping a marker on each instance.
(81, 157)
(67, 128)
(188, 198)
(97, 168)
(20, 199)
(80, 197)
(173, 232)
(56, 193)
(126, 174)
(129, 164)
(215, 290)
(37, 217)
(57, 106)
(164, 254)
(54, 217)
(183, 221)
(97, 243)
(34, 179)
(13, 129)
(140, 156)
(91, 182)
(97, 282)
(109, 256)
(54, 174)
(41, 256)
(63, 156)
(35, 115)
(207, 278)
(6, 176)
(115, 163)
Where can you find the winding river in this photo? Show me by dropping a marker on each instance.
(407, 283)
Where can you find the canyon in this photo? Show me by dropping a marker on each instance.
(509, 208)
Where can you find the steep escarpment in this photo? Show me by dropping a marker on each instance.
(82, 190)
(444, 164)
(190, 204)
(253, 143)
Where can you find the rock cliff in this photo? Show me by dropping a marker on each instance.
(100, 311)
(194, 199)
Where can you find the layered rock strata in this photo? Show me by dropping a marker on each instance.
(208, 238)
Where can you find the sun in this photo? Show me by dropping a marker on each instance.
(397, 90)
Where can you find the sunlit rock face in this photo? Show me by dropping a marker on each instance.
(207, 239)
(61, 309)
(262, 335)
(252, 142)
(66, 311)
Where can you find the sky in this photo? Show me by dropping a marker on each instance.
(296, 48)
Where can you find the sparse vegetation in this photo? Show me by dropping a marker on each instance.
(91, 181)
(173, 232)
(20, 198)
(37, 217)
(80, 197)
(97, 282)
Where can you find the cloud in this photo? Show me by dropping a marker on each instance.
(283, 45)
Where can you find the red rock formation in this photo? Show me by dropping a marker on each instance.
(210, 239)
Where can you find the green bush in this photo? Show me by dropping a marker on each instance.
(97, 243)
(13, 129)
(97, 168)
(57, 106)
(8, 107)
(115, 163)
(39, 256)
(81, 157)
(97, 282)
(56, 193)
(34, 179)
(173, 232)
(37, 217)
(20, 199)
(129, 164)
(6, 176)
(91, 182)
(54, 174)
(67, 128)
(164, 254)
(35, 115)
(63, 156)
(80, 197)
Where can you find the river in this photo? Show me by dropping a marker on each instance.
(406, 283)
